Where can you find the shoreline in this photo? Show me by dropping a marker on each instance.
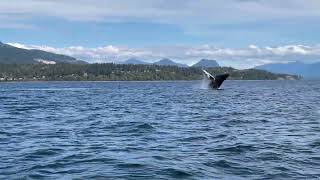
(30, 81)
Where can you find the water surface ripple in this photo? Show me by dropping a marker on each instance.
(160, 130)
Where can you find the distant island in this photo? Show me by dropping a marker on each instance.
(308, 71)
(18, 64)
(124, 72)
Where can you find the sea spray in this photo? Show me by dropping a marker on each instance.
(204, 83)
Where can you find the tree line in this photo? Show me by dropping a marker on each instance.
(123, 72)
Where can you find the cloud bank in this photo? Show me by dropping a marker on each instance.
(236, 57)
(183, 12)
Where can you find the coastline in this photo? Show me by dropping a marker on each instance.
(160, 81)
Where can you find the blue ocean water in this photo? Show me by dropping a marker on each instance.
(160, 130)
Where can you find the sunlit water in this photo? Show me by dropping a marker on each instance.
(160, 130)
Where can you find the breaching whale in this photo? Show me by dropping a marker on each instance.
(216, 81)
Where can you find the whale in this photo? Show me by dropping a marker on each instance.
(216, 81)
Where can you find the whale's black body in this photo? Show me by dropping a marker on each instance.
(216, 81)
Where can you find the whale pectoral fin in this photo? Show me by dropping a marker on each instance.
(209, 76)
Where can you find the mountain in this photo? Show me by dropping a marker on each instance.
(169, 62)
(206, 63)
(134, 61)
(298, 68)
(13, 55)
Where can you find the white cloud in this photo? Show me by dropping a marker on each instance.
(183, 12)
(189, 14)
(235, 57)
(15, 25)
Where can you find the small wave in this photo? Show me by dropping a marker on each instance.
(230, 167)
(136, 129)
(176, 173)
(46, 166)
(221, 164)
(194, 138)
(145, 126)
(41, 153)
(56, 89)
(130, 165)
(5, 98)
(269, 156)
(234, 149)
(315, 144)
(94, 160)
(4, 133)
(36, 176)
(220, 136)
(159, 158)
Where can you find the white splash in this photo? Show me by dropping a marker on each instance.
(204, 83)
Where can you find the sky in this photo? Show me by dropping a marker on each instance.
(237, 33)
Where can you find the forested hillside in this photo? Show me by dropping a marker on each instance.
(122, 72)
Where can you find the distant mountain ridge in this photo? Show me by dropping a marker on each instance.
(13, 55)
(134, 61)
(169, 62)
(206, 63)
(297, 68)
(162, 62)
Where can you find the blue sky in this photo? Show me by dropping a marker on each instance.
(59, 32)
(147, 24)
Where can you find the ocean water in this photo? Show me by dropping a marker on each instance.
(160, 130)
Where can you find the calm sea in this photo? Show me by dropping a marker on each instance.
(160, 130)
